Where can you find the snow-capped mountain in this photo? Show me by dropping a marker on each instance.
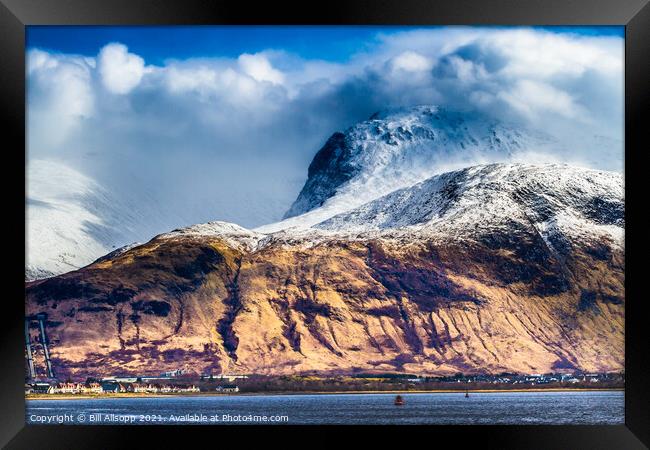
(556, 200)
(397, 148)
(64, 228)
(563, 205)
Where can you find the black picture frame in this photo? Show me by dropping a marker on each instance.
(15, 15)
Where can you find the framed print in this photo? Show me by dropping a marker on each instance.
(410, 218)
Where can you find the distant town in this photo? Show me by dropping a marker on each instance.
(174, 382)
(179, 382)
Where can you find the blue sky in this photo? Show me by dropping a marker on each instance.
(159, 43)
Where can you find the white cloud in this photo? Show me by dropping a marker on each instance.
(411, 62)
(530, 97)
(200, 79)
(120, 70)
(259, 67)
(38, 60)
(544, 54)
(536, 76)
(60, 96)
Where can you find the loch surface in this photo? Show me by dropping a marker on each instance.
(570, 407)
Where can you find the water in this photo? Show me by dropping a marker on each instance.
(590, 407)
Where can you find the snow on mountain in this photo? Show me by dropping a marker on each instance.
(117, 252)
(59, 220)
(72, 219)
(559, 201)
(398, 148)
(233, 234)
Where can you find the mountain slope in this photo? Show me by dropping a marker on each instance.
(64, 228)
(397, 148)
(487, 269)
(555, 200)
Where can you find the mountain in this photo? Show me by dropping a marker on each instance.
(491, 268)
(558, 202)
(397, 148)
(65, 228)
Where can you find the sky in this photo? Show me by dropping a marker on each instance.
(156, 44)
(203, 123)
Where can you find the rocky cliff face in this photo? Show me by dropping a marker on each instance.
(487, 269)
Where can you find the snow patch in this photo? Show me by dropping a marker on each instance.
(232, 234)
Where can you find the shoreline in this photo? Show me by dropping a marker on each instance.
(266, 394)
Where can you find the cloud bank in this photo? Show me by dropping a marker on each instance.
(231, 138)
